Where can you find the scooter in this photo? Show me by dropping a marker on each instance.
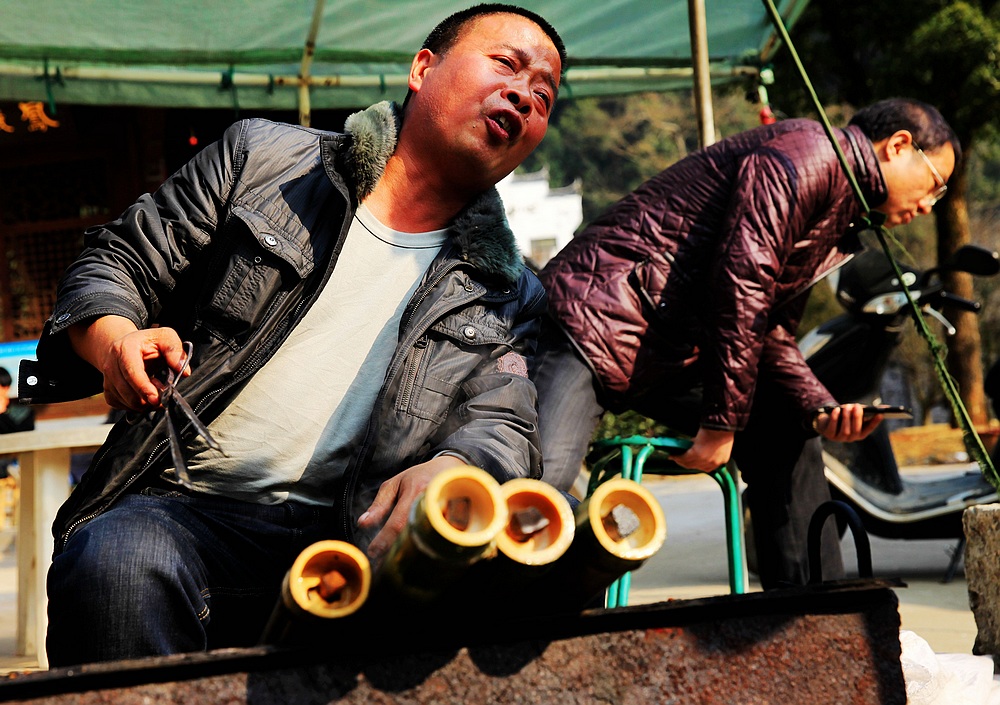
(849, 354)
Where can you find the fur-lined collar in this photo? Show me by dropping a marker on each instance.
(480, 231)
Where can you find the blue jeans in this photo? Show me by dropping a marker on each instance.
(163, 572)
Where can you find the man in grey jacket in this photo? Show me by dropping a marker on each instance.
(360, 318)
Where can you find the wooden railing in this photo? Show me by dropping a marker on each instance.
(44, 457)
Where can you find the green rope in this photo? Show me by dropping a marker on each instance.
(973, 443)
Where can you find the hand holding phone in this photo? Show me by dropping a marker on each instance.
(887, 411)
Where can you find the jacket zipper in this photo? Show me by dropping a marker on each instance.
(410, 378)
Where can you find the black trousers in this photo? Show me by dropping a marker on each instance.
(780, 460)
(782, 465)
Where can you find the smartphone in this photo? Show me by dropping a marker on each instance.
(887, 411)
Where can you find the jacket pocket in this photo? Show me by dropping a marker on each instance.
(432, 378)
(259, 263)
(656, 282)
(451, 353)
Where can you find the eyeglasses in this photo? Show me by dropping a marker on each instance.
(938, 193)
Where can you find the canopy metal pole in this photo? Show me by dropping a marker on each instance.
(305, 107)
(702, 76)
(247, 78)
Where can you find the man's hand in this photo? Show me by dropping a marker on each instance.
(711, 448)
(125, 356)
(845, 423)
(394, 499)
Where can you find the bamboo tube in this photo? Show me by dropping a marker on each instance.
(328, 580)
(595, 525)
(453, 524)
(551, 534)
(617, 528)
(538, 532)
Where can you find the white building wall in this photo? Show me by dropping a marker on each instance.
(543, 219)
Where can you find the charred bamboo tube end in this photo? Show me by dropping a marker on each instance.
(626, 519)
(541, 524)
(329, 579)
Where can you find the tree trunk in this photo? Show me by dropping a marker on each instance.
(964, 349)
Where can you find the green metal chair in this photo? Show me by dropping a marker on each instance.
(639, 455)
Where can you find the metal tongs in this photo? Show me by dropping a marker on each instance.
(176, 406)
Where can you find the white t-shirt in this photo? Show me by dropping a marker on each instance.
(292, 430)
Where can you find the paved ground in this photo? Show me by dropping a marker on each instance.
(692, 563)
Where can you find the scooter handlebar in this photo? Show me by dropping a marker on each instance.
(948, 299)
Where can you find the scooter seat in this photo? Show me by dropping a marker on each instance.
(919, 497)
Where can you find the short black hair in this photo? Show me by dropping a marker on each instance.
(446, 33)
(929, 128)
(5, 379)
(448, 30)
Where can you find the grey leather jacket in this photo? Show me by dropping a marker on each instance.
(233, 249)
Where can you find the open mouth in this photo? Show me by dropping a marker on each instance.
(506, 123)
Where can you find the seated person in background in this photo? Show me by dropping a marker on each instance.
(13, 417)
(360, 316)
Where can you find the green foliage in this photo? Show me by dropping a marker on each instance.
(952, 60)
(945, 53)
(822, 307)
(983, 173)
(628, 423)
(614, 144)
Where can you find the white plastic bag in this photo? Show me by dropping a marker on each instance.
(945, 679)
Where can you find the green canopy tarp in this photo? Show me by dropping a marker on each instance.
(248, 53)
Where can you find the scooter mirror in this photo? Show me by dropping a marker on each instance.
(973, 259)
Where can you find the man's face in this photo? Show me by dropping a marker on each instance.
(481, 107)
(911, 182)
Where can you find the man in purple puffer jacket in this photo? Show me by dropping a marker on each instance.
(682, 302)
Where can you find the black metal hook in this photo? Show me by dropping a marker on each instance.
(861, 543)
